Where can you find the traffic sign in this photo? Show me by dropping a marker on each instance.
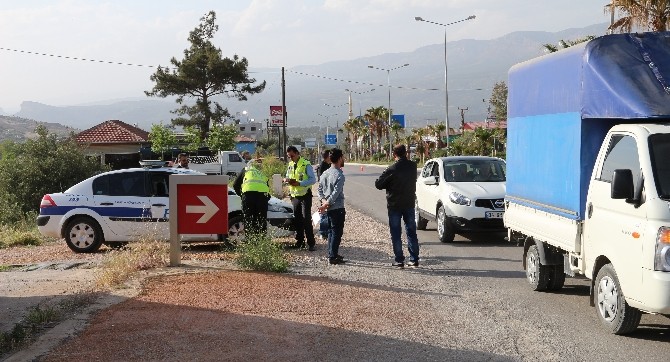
(330, 139)
(201, 204)
(202, 209)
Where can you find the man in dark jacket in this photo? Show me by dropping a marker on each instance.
(399, 181)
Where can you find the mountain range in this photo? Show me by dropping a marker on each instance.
(417, 90)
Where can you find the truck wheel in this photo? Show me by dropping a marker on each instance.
(83, 235)
(613, 311)
(444, 229)
(421, 223)
(235, 230)
(556, 277)
(537, 274)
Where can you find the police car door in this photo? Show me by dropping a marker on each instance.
(159, 202)
(122, 202)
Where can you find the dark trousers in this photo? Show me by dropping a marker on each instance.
(302, 216)
(255, 209)
(335, 231)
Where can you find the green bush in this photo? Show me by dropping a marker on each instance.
(259, 252)
(272, 165)
(37, 167)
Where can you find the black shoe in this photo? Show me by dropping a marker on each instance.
(413, 264)
(339, 257)
(312, 248)
(398, 265)
(335, 261)
(298, 246)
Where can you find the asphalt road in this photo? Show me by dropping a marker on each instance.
(492, 265)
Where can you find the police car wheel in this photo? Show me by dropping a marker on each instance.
(83, 235)
(235, 230)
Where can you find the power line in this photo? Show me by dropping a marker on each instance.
(355, 82)
(77, 58)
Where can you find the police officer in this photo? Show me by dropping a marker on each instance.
(252, 185)
(300, 178)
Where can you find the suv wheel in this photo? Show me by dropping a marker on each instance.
(444, 228)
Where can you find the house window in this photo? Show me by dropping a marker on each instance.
(241, 129)
(253, 129)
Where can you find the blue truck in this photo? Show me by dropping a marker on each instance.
(588, 163)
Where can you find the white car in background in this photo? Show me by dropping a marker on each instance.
(462, 194)
(124, 205)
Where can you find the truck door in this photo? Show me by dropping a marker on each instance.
(615, 228)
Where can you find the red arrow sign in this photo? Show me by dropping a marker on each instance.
(202, 209)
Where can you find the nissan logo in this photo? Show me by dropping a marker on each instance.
(499, 203)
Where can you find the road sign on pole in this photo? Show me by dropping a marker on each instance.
(201, 204)
(330, 139)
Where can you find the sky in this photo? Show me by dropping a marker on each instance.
(269, 33)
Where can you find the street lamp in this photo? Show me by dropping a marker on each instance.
(327, 119)
(388, 82)
(351, 114)
(446, 90)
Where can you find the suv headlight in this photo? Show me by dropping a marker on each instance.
(662, 257)
(459, 199)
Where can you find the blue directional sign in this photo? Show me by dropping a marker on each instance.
(330, 139)
(399, 118)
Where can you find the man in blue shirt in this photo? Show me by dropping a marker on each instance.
(331, 193)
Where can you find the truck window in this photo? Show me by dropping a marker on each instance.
(622, 154)
(234, 157)
(659, 149)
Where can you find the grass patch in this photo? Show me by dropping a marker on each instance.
(20, 234)
(259, 252)
(120, 265)
(4, 268)
(38, 319)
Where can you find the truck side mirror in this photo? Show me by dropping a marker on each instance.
(622, 185)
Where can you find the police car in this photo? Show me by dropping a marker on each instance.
(124, 205)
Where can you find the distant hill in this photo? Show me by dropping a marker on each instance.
(473, 67)
(20, 129)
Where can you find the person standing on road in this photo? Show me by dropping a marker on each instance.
(300, 178)
(323, 222)
(399, 181)
(252, 185)
(331, 194)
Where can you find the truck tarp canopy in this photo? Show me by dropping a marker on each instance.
(614, 76)
(560, 107)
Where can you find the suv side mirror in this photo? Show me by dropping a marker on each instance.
(430, 180)
(622, 185)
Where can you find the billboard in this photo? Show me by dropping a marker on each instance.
(310, 142)
(276, 116)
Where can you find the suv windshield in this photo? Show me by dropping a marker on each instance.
(474, 171)
(659, 149)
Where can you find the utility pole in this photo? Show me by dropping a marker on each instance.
(283, 109)
(462, 118)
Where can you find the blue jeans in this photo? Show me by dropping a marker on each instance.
(407, 215)
(324, 226)
(335, 230)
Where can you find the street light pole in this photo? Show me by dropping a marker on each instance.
(446, 89)
(388, 80)
(351, 115)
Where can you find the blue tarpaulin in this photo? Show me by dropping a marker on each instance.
(560, 106)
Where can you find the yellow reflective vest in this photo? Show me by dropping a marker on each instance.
(254, 180)
(298, 173)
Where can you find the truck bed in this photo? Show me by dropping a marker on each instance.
(559, 231)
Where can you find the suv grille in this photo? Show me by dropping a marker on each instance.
(493, 204)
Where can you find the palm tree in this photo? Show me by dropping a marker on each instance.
(439, 128)
(652, 14)
(396, 128)
(551, 48)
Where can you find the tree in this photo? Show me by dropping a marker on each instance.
(162, 138)
(202, 75)
(38, 167)
(498, 101)
(193, 139)
(551, 48)
(653, 15)
(221, 137)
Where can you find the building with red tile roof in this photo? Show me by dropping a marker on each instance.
(116, 142)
